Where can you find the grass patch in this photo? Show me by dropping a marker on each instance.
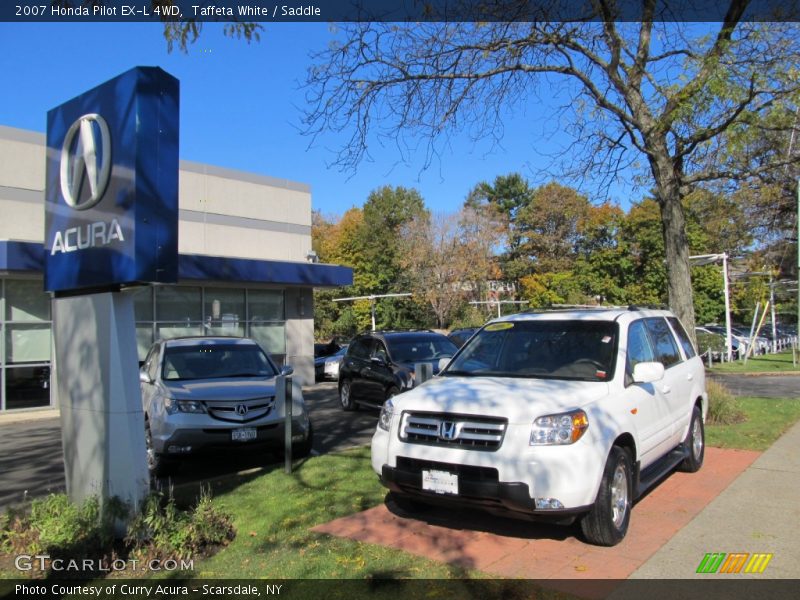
(767, 363)
(273, 515)
(766, 420)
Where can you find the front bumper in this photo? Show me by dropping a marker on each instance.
(196, 440)
(478, 488)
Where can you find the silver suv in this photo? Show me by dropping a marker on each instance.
(206, 393)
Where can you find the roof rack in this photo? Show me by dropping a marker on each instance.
(565, 307)
(396, 331)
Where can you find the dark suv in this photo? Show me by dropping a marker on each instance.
(380, 364)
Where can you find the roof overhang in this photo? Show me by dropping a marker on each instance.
(28, 257)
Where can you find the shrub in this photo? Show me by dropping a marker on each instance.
(160, 530)
(723, 408)
(61, 529)
(58, 527)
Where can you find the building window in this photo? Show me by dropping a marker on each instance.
(267, 321)
(160, 312)
(26, 344)
(224, 311)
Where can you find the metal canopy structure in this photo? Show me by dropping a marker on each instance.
(372, 298)
(498, 302)
(710, 259)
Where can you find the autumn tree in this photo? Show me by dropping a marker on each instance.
(652, 93)
(448, 257)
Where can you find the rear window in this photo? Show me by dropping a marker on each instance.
(410, 349)
(579, 350)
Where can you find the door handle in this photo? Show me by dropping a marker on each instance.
(690, 377)
(666, 389)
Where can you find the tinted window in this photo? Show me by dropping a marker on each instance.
(664, 344)
(582, 350)
(360, 348)
(379, 351)
(410, 349)
(683, 338)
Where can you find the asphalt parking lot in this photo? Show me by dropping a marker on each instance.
(31, 460)
(762, 386)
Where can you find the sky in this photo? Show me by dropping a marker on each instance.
(241, 108)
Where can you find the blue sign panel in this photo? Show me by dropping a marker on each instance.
(111, 196)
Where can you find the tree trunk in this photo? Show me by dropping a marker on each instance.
(676, 244)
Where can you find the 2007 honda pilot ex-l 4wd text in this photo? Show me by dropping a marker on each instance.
(559, 415)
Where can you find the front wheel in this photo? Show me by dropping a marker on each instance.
(346, 396)
(607, 522)
(694, 444)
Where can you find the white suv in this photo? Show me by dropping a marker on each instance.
(558, 415)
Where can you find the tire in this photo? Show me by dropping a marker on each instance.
(303, 449)
(346, 396)
(607, 522)
(157, 464)
(695, 443)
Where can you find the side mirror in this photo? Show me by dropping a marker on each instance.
(443, 362)
(144, 377)
(287, 370)
(648, 372)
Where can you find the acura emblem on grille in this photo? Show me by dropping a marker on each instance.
(447, 430)
(241, 410)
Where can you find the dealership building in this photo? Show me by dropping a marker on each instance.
(245, 268)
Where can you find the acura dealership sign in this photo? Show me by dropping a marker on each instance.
(111, 201)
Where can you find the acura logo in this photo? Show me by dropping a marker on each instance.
(241, 410)
(86, 159)
(447, 430)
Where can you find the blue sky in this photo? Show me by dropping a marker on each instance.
(241, 107)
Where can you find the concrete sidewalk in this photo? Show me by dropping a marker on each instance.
(758, 513)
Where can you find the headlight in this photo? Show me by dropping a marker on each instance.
(560, 429)
(185, 406)
(385, 418)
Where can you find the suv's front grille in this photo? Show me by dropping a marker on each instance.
(456, 431)
(240, 412)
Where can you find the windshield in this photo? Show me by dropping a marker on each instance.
(581, 350)
(415, 349)
(216, 361)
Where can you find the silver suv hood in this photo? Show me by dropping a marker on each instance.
(222, 389)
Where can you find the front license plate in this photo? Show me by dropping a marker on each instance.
(244, 434)
(440, 482)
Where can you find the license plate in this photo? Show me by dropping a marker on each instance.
(440, 482)
(244, 434)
